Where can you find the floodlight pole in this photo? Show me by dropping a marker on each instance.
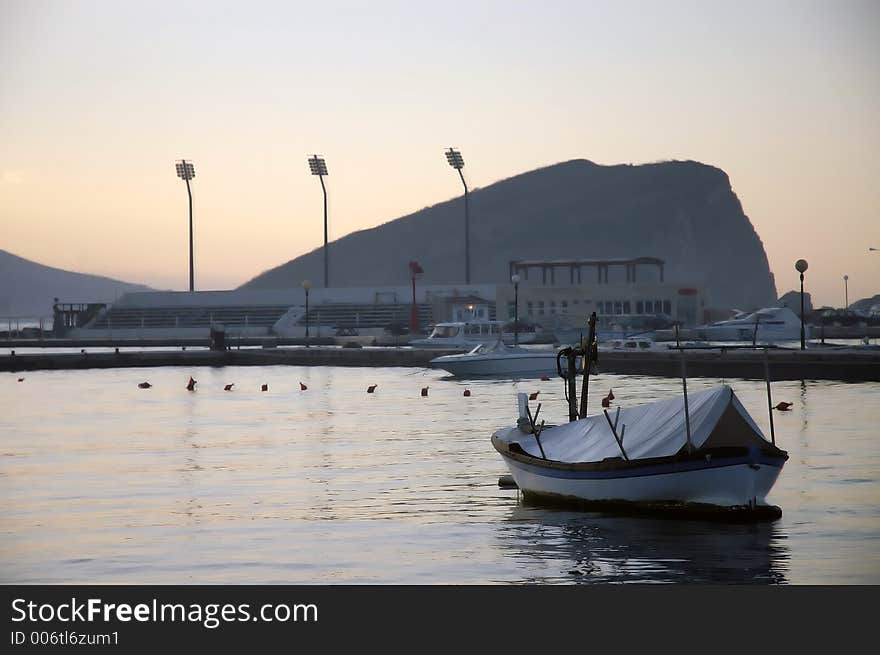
(467, 232)
(326, 267)
(455, 160)
(319, 167)
(191, 269)
(186, 172)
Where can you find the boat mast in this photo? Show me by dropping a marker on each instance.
(687, 416)
(590, 355)
(769, 399)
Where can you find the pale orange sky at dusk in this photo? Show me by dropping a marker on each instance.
(98, 99)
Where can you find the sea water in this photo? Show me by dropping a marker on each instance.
(104, 482)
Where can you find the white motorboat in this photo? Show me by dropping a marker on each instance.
(770, 324)
(631, 344)
(701, 452)
(464, 335)
(498, 359)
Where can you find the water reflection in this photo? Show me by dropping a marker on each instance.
(562, 546)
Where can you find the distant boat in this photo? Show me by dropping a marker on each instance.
(631, 344)
(615, 326)
(499, 359)
(464, 335)
(770, 324)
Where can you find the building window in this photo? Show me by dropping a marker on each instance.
(552, 306)
(640, 307)
(540, 308)
(564, 309)
(618, 307)
(626, 307)
(667, 307)
(511, 309)
(531, 308)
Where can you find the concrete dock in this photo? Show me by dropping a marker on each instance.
(851, 365)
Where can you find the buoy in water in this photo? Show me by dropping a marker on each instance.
(144, 385)
(191, 385)
(534, 396)
(424, 391)
(467, 392)
(302, 387)
(372, 388)
(783, 406)
(544, 378)
(228, 387)
(265, 387)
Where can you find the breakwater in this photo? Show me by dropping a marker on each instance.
(851, 365)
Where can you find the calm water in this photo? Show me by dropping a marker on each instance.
(104, 482)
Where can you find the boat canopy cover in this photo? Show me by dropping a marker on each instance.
(657, 429)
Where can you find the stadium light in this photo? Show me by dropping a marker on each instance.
(318, 167)
(455, 160)
(186, 171)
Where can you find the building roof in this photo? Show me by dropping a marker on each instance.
(588, 262)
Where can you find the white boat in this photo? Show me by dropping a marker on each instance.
(726, 463)
(770, 324)
(498, 359)
(695, 453)
(464, 335)
(631, 344)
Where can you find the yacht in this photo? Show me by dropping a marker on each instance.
(768, 324)
(464, 335)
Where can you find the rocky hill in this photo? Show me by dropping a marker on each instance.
(682, 211)
(27, 289)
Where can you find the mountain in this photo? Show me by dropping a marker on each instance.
(28, 289)
(682, 211)
(792, 300)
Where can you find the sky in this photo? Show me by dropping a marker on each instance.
(99, 98)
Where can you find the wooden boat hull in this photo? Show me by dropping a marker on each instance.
(736, 480)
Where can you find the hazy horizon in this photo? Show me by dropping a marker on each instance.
(100, 99)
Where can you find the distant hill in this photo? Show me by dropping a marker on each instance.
(27, 289)
(792, 300)
(865, 304)
(682, 211)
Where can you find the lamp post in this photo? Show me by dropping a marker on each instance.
(453, 156)
(319, 167)
(306, 285)
(801, 266)
(515, 279)
(186, 172)
(846, 291)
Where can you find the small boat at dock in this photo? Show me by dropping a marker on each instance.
(464, 335)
